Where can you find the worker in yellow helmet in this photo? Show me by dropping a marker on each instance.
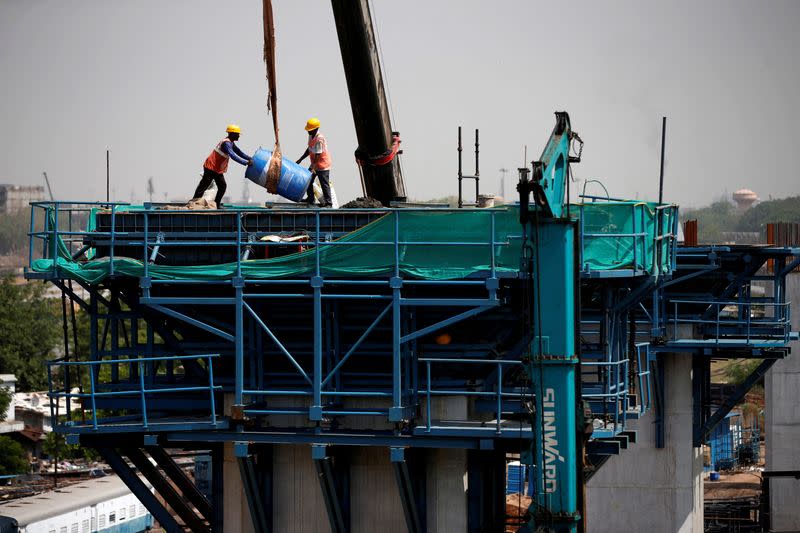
(320, 163)
(217, 163)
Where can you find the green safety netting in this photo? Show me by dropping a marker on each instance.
(624, 235)
(426, 254)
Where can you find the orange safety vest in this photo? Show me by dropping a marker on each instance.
(321, 161)
(217, 160)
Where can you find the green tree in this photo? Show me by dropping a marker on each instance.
(29, 332)
(713, 220)
(5, 401)
(783, 210)
(13, 459)
(55, 445)
(14, 232)
(739, 369)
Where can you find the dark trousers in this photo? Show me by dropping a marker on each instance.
(205, 182)
(324, 182)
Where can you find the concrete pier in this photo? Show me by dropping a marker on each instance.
(651, 489)
(374, 499)
(783, 425)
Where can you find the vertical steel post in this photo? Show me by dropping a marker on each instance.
(238, 284)
(211, 390)
(31, 237)
(428, 393)
(108, 176)
(55, 242)
(396, 412)
(146, 257)
(460, 197)
(315, 413)
(661, 174)
(93, 351)
(142, 391)
(477, 172)
(238, 244)
(499, 395)
(113, 238)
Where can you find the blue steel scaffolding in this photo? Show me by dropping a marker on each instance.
(304, 360)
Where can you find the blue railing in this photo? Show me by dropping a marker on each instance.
(141, 366)
(612, 392)
(742, 323)
(315, 385)
(52, 234)
(498, 394)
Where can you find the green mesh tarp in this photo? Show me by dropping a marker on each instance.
(436, 245)
(368, 251)
(626, 235)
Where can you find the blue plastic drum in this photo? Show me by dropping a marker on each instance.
(294, 179)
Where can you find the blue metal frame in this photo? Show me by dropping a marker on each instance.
(324, 375)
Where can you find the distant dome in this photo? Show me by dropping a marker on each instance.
(745, 198)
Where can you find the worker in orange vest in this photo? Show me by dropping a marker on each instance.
(217, 163)
(317, 151)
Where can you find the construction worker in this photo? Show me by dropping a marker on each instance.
(317, 151)
(217, 163)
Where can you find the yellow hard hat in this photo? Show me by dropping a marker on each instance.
(233, 128)
(312, 124)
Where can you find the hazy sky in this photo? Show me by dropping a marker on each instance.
(157, 81)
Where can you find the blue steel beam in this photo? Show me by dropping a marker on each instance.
(253, 494)
(444, 323)
(166, 490)
(702, 432)
(193, 322)
(406, 489)
(181, 480)
(355, 345)
(324, 467)
(140, 490)
(277, 342)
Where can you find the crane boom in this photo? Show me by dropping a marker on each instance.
(383, 182)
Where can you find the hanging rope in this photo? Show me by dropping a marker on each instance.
(274, 168)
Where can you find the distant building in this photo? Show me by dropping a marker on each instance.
(15, 198)
(744, 198)
(10, 424)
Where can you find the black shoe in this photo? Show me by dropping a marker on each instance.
(325, 204)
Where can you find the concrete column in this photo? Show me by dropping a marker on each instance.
(297, 501)
(650, 489)
(783, 425)
(374, 498)
(236, 514)
(446, 490)
(446, 473)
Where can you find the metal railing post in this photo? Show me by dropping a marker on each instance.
(92, 390)
(31, 236)
(211, 390)
(113, 239)
(142, 391)
(238, 244)
(239, 341)
(499, 395)
(492, 248)
(55, 241)
(146, 257)
(428, 392)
